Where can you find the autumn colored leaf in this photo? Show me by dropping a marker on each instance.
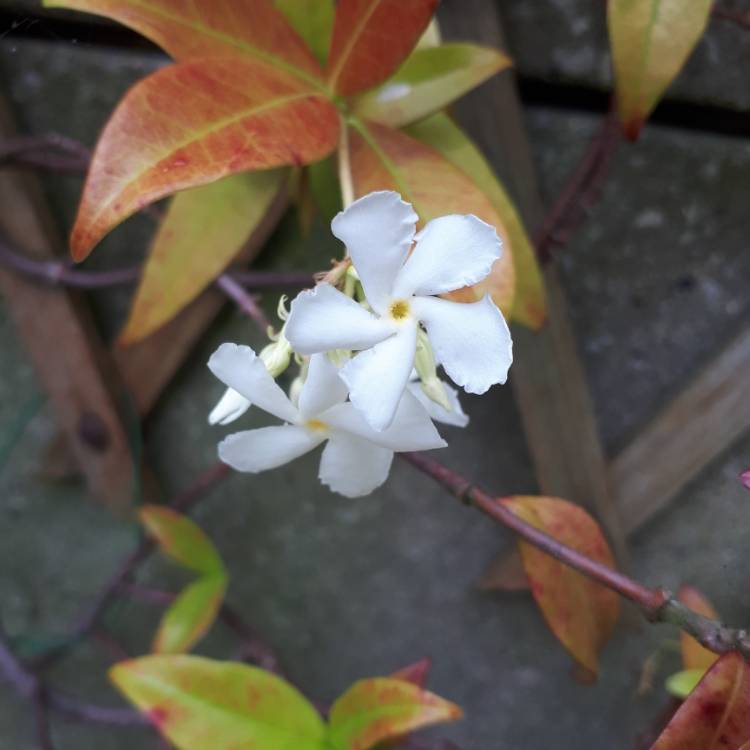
(386, 159)
(312, 20)
(381, 708)
(505, 573)
(651, 40)
(201, 29)
(200, 235)
(192, 123)
(440, 132)
(695, 656)
(415, 673)
(201, 704)
(716, 714)
(181, 539)
(581, 613)
(430, 79)
(371, 38)
(190, 615)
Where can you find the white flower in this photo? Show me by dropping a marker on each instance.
(471, 341)
(356, 458)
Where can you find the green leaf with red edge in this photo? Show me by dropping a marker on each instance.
(381, 708)
(387, 159)
(201, 704)
(716, 715)
(371, 38)
(182, 539)
(651, 40)
(312, 20)
(190, 615)
(202, 232)
(415, 673)
(442, 133)
(201, 29)
(695, 656)
(581, 613)
(430, 79)
(192, 123)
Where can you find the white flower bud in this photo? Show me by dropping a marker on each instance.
(276, 356)
(434, 389)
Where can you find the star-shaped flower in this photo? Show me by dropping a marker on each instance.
(356, 458)
(471, 341)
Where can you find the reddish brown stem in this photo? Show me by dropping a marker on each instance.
(740, 17)
(245, 301)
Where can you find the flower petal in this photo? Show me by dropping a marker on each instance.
(354, 467)
(266, 447)
(323, 319)
(241, 369)
(411, 430)
(472, 341)
(451, 252)
(231, 406)
(456, 416)
(377, 231)
(323, 387)
(377, 377)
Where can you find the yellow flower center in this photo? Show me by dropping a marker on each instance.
(316, 425)
(399, 309)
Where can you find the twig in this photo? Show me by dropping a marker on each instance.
(244, 300)
(345, 168)
(41, 717)
(740, 17)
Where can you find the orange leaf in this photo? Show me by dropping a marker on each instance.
(695, 656)
(386, 159)
(505, 573)
(580, 613)
(716, 714)
(195, 122)
(371, 38)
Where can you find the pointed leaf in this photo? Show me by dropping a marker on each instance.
(181, 538)
(429, 80)
(190, 615)
(386, 159)
(681, 684)
(200, 704)
(651, 40)
(716, 715)
(440, 132)
(381, 708)
(201, 29)
(371, 38)
(581, 613)
(695, 656)
(312, 20)
(195, 122)
(415, 673)
(203, 230)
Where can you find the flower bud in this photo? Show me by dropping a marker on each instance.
(434, 389)
(277, 355)
(426, 367)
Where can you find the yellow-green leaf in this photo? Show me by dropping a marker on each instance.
(430, 79)
(202, 232)
(201, 704)
(681, 684)
(312, 20)
(651, 40)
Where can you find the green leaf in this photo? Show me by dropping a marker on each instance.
(181, 539)
(440, 132)
(430, 79)
(325, 187)
(190, 616)
(681, 684)
(312, 20)
(382, 708)
(201, 704)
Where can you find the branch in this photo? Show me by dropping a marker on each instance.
(740, 17)
(657, 605)
(245, 301)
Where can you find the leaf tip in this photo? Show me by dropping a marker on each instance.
(632, 128)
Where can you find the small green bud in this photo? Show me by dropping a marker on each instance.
(277, 355)
(435, 390)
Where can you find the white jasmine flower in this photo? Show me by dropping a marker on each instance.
(356, 458)
(471, 341)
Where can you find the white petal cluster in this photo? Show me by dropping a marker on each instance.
(390, 404)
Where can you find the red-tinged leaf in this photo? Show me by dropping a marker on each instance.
(386, 159)
(202, 232)
(182, 539)
(190, 615)
(192, 123)
(430, 79)
(716, 714)
(581, 613)
(312, 20)
(415, 673)
(440, 132)
(211, 27)
(745, 479)
(651, 40)
(201, 704)
(505, 573)
(695, 656)
(371, 38)
(382, 708)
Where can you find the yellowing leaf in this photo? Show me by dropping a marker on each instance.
(651, 41)
(581, 613)
(200, 704)
(681, 684)
(430, 79)
(202, 232)
(695, 656)
(381, 708)
(312, 20)
(442, 133)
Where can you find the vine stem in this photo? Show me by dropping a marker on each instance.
(345, 166)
